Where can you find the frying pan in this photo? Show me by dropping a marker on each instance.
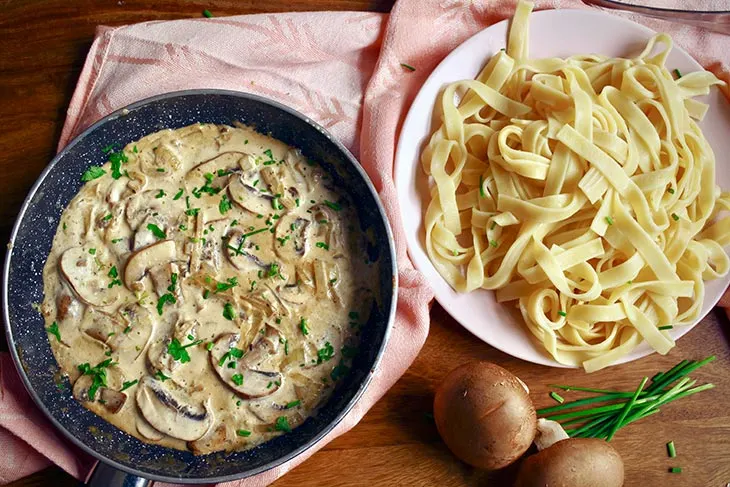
(125, 460)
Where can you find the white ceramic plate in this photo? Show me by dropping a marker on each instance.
(552, 33)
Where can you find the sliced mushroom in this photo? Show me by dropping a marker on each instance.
(136, 330)
(87, 278)
(246, 381)
(172, 411)
(239, 253)
(144, 237)
(143, 260)
(140, 206)
(116, 190)
(160, 360)
(147, 430)
(249, 197)
(161, 276)
(67, 306)
(162, 161)
(112, 400)
(292, 233)
(221, 167)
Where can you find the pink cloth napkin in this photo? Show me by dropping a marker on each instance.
(341, 69)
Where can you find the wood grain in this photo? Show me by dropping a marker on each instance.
(42, 48)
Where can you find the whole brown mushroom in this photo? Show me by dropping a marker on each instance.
(484, 415)
(570, 462)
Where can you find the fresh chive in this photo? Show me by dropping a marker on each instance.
(481, 186)
(128, 384)
(670, 190)
(675, 470)
(243, 433)
(334, 206)
(156, 231)
(407, 66)
(671, 450)
(562, 313)
(557, 397)
(675, 216)
(665, 327)
(207, 14)
(292, 404)
(677, 73)
(609, 220)
(619, 422)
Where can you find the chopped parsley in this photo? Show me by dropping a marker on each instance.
(322, 245)
(233, 353)
(107, 217)
(224, 205)
(114, 274)
(92, 251)
(675, 216)
(161, 194)
(117, 240)
(334, 206)
(178, 195)
(98, 374)
(165, 298)
(128, 384)
(292, 404)
(173, 283)
(225, 286)
(282, 424)
(156, 231)
(161, 376)
(243, 433)
(237, 379)
(303, 326)
(178, 351)
(53, 330)
(209, 346)
(228, 312)
(326, 353)
(562, 313)
(94, 172)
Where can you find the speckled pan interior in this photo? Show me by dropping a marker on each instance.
(31, 242)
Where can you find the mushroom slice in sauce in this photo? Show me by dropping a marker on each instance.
(88, 280)
(220, 167)
(292, 234)
(112, 400)
(242, 377)
(142, 261)
(162, 161)
(140, 206)
(249, 197)
(216, 439)
(145, 429)
(135, 332)
(239, 253)
(144, 236)
(172, 411)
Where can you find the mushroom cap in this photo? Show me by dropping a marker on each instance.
(573, 462)
(484, 415)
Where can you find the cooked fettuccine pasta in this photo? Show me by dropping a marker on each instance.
(581, 190)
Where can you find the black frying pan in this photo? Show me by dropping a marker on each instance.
(126, 461)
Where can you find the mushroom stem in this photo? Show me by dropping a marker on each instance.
(548, 433)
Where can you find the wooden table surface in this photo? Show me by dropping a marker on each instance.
(42, 47)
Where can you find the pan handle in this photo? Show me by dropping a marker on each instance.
(103, 475)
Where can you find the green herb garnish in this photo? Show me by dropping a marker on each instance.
(243, 433)
(165, 298)
(322, 245)
(326, 353)
(609, 220)
(224, 205)
(161, 194)
(228, 312)
(98, 374)
(128, 384)
(161, 376)
(303, 327)
(237, 379)
(407, 66)
(557, 397)
(282, 424)
(671, 450)
(334, 206)
(156, 231)
(225, 286)
(292, 404)
(178, 351)
(94, 172)
(53, 330)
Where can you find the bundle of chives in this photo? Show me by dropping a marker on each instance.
(623, 408)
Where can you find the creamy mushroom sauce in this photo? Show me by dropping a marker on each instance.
(209, 297)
